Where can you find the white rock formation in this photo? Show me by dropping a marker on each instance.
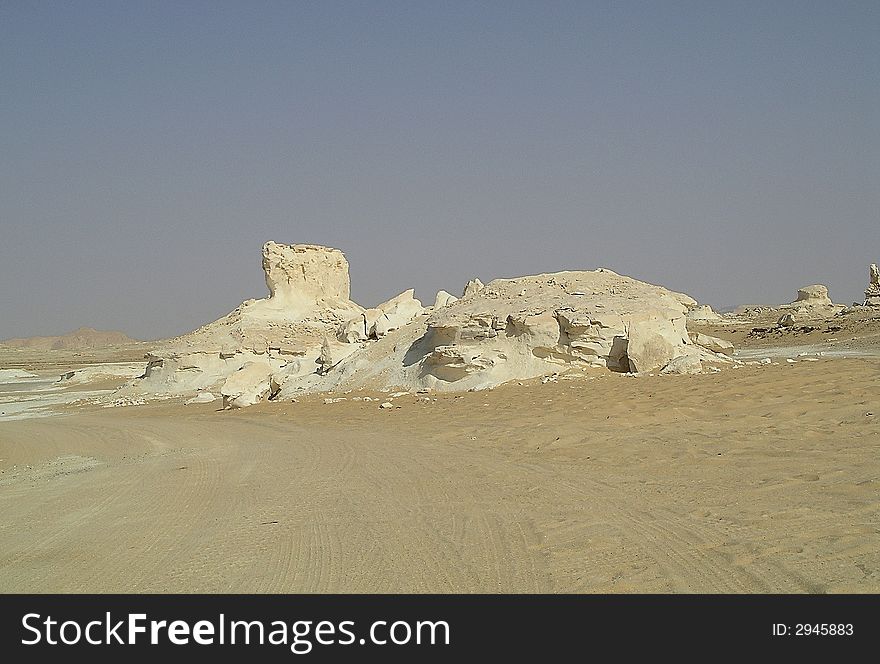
(714, 344)
(703, 312)
(305, 277)
(524, 328)
(813, 296)
(309, 289)
(396, 312)
(872, 292)
(247, 386)
(471, 287)
(377, 322)
(202, 397)
(444, 299)
(654, 339)
(308, 337)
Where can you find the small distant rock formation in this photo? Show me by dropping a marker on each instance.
(444, 299)
(872, 292)
(308, 336)
(85, 338)
(813, 296)
(703, 312)
(472, 287)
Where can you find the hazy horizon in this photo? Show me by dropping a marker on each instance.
(730, 151)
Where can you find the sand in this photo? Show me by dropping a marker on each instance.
(756, 479)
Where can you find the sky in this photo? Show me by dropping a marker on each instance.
(729, 150)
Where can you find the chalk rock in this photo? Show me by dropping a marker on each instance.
(473, 286)
(396, 312)
(815, 295)
(353, 330)
(703, 312)
(247, 386)
(786, 320)
(872, 292)
(377, 322)
(332, 353)
(683, 364)
(444, 299)
(653, 340)
(714, 344)
(202, 397)
(304, 275)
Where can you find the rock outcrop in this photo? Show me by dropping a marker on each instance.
(444, 299)
(471, 287)
(248, 385)
(813, 296)
(377, 322)
(308, 300)
(527, 327)
(872, 292)
(702, 313)
(305, 277)
(309, 337)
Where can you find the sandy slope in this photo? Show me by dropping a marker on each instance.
(755, 479)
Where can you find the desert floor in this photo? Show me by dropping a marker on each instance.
(756, 479)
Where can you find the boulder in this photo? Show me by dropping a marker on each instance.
(653, 340)
(247, 386)
(786, 320)
(202, 397)
(444, 299)
(395, 313)
(714, 344)
(683, 364)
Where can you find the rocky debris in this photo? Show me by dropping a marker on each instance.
(332, 353)
(202, 397)
(703, 312)
(684, 364)
(714, 344)
(872, 292)
(396, 312)
(125, 401)
(473, 286)
(813, 296)
(377, 322)
(247, 386)
(386, 405)
(13, 375)
(444, 299)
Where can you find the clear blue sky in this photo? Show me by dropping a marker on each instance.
(730, 150)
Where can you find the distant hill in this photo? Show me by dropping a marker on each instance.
(84, 338)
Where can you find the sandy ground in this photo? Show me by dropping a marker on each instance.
(758, 479)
